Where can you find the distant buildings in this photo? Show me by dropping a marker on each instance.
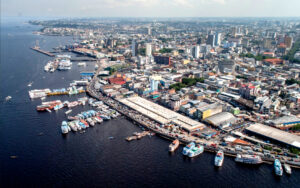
(211, 40)
(163, 60)
(196, 51)
(134, 48)
(148, 49)
(218, 39)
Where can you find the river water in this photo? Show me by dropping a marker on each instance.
(45, 158)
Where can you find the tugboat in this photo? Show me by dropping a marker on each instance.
(278, 168)
(195, 151)
(187, 148)
(219, 158)
(287, 168)
(174, 145)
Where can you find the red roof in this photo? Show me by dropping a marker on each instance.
(117, 80)
(274, 61)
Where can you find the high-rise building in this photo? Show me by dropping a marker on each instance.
(288, 41)
(134, 47)
(148, 49)
(233, 31)
(218, 39)
(164, 60)
(196, 51)
(267, 43)
(149, 31)
(211, 40)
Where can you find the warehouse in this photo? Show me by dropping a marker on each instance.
(221, 120)
(161, 114)
(275, 134)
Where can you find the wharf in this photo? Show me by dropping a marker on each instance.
(63, 93)
(42, 51)
(163, 134)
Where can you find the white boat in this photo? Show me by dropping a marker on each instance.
(67, 112)
(81, 64)
(219, 158)
(287, 168)
(8, 98)
(30, 84)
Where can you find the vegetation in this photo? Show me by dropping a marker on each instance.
(294, 151)
(186, 82)
(142, 51)
(165, 50)
(259, 57)
(241, 77)
(268, 148)
(296, 127)
(292, 81)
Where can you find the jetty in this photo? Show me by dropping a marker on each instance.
(42, 51)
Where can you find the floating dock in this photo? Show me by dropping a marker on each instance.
(42, 51)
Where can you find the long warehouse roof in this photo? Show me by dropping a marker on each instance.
(275, 134)
(160, 113)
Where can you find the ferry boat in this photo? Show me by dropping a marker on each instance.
(195, 151)
(219, 158)
(287, 168)
(65, 128)
(278, 167)
(248, 159)
(187, 148)
(174, 145)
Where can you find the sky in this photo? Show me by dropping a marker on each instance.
(150, 8)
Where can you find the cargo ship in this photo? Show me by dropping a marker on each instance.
(219, 158)
(248, 159)
(187, 148)
(195, 151)
(174, 145)
(278, 167)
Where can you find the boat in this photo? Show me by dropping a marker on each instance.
(73, 126)
(174, 145)
(195, 151)
(64, 64)
(278, 167)
(73, 104)
(219, 158)
(8, 98)
(64, 127)
(248, 159)
(81, 64)
(91, 122)
(287, 168)
(38, 93)
(105, 117)
(187, 148)
(58, 106)
(30, 84)
(84, 122)
(67, 112)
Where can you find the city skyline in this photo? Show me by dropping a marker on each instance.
(154, 8)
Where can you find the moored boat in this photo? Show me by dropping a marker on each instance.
(195, 151)
(187, 148)
(174, 145)
(219, 158)
(278, 167)
(248, 159)
(287, 168)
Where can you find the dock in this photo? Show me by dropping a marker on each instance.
(42, 51)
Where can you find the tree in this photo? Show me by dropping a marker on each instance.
(142, 51)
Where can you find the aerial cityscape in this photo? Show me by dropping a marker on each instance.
(124, 100)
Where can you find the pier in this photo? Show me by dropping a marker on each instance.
(42, 51)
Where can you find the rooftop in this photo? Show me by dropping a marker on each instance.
(275, 134)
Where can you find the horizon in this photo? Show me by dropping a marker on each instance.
(151, 9)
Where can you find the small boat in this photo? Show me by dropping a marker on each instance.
(174, 145)
(287, 168)
(111, 137)
(91, 122)
(219, 158)
(278, 167)
(73, 126)
(8, 98)
(43, 98)
(67, 112)
(84, 122)
(30, 84)
(64, 127)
